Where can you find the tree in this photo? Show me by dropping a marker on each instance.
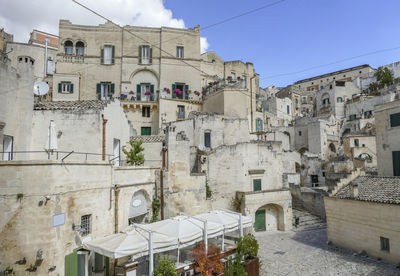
(384, 76)
(165, 268)
(134, 156)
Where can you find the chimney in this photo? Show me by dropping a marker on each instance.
(353, 190)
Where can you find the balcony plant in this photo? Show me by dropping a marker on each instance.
(197, 93)
(178, 91)
(247, 248)
(167, 90)
(134, 156)
(210, 263)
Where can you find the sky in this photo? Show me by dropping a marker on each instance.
(288, 41)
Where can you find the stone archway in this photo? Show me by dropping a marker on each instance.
(269, 217)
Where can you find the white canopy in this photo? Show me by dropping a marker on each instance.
(169, 234)
(131, 242)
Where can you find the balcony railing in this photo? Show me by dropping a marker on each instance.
(73, 58)
(143, 98)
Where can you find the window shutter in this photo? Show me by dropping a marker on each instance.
(140, 54)
(152, 92)
(256, 184)
(395, 120)
(151, 55)
(173, 91)
(71, 264)
(138, 93)
(102, 55)
(72, 88)
(112, 87)
(59, 87)
(113, 55)
(98, 91)
(186, 88)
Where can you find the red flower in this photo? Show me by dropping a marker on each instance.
(147, 93)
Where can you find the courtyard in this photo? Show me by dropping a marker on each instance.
(307, 253)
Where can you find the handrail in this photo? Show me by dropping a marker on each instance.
(62, 160)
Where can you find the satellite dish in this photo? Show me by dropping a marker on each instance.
(136, 203)
(40, 88)
(201, 147)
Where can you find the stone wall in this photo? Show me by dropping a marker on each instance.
(358, 225)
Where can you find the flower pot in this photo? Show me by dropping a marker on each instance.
(252, 267)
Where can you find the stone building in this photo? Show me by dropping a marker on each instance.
(387, 121)
(280, 107)
(319, 82)
(364, 216)
(4, 39)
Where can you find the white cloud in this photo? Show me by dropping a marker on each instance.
(20, 17)
(203, 44)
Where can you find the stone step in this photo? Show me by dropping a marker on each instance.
(306, 221)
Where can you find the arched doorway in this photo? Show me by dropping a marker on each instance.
(269, 217)
(139, 207)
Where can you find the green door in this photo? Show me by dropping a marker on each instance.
(145, 131)
(259, 224)
(396, 163)
(71, 264)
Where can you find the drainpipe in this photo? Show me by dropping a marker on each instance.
(164, 151)
(251, 102)
(103, 149)
(116, 197)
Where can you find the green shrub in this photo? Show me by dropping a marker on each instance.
(165, 268)
(235, 268)
(247, 247)
(134, 156)
(156, 204)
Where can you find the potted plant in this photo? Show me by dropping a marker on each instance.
(165, 268)
(247, 248)
(234, 267)
(178, 91)
(208, 264)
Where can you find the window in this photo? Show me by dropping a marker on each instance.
(396, 163)
(233, 75)
(312, 82)
(180, 91)
(105, 90)
(299, 133)
(145, 92)
(304, 100)
(179, 51)
(86, 224)
(259, 125)
(8, 145)
(107, 54)
(244, 82)
(321, 87)
(339, 99)
(145, 54)
(385, 246)
(395, 120)
(288, 109)
(312, 88)
(352, 117)
(207, 139)
(256, 185)
(344, 76)
(368, 114)
(311, 99)
(330, 86)
(26, 60)
(65, 87)
(359, 72)
(181, 112)
(356, 143)
(145, 131)
(99, 263)
(325, 102)
(80, 48)
(146, 111)
(68, 47)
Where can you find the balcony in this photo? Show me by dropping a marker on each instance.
(73, 58)
(142, 98)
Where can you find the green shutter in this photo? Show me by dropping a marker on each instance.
(395, 120)
(99, 265)
(151, 55)
(145, 131)
(396, 163)
(71, 264)
(138, 93)
(152, 92)
(140, 54)
(256, 184)
(112, 88)
(59, 87)
(173, 91)
(186, 93)
(102, 55)
(98, 91)
(112, 54)
(72, 88)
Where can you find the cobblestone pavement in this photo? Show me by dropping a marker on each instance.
(307, 253)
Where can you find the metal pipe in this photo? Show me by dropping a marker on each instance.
(116, 198)
(45, 58)
(151, 257)
(251, 102)
(62, 160)
(103, 149)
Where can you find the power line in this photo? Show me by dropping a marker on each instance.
(332, 63)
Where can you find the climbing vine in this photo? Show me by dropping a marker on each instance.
(156, 204)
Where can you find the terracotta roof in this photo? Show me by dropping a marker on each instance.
(70, 105)
(373, 188)
(149, 138)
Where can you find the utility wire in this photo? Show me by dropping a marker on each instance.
(332, 63)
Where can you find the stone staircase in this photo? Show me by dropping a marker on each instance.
(344, 181)
(306, 221)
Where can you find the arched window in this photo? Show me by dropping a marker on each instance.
(325, 100)
(339, 99)
(68, 47)
(26, 59)
(80, 48)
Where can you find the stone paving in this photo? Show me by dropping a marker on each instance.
(307, 253)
